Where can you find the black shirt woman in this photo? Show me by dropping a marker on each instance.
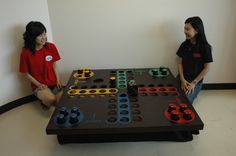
(194, 58)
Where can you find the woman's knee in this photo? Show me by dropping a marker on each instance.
(50, 100)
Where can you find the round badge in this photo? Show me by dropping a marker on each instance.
(48, 58)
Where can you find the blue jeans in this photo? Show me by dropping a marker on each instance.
(191, 96)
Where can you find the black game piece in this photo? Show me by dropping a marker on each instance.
(132, 88)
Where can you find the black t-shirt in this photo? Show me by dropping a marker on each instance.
(194, 57)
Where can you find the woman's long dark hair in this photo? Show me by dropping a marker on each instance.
(33, 29)
(197, 24)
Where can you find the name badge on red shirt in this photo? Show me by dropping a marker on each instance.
(48, 58)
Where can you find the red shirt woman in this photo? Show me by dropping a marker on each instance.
(38, 62)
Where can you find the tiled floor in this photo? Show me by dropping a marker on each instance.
(23, 133)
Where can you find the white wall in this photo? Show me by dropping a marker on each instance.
(114, 34)
(140, 33)
(14, 15)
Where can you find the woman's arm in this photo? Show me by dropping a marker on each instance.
(202, 73)
(184, 83)
(57, 75)
(199, 77)
(34, 81)
(180, 68)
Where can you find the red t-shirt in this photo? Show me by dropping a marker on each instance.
(40, 65)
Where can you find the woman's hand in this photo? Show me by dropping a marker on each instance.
(58, 85)
(191, 88)
(185, 85)
(42, 86)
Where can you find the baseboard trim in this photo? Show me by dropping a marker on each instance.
(218, 86)
(16, 103)
(31, 98)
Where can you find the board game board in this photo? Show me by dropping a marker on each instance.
(123, 105)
